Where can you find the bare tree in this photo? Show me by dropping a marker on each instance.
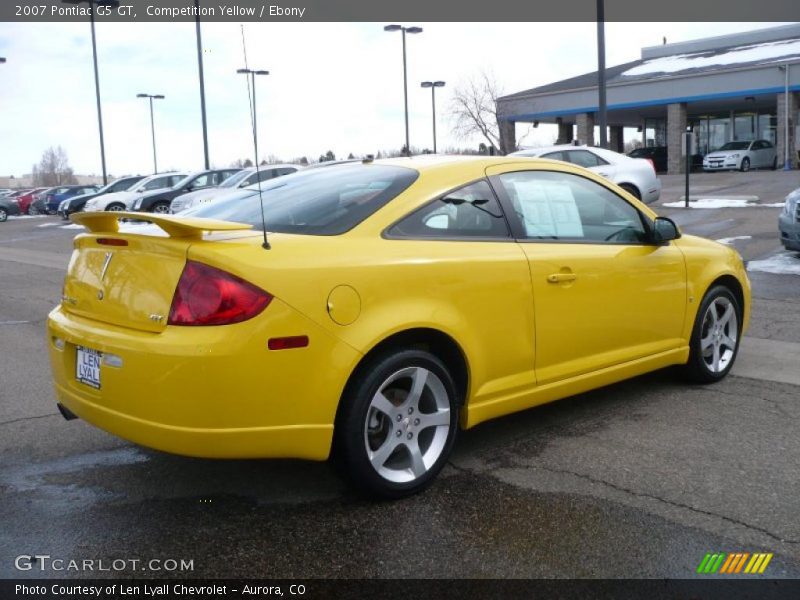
(53, 169)
(474, 110)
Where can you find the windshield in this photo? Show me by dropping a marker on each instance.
(317, 202)
(736, 146)
(235, 179)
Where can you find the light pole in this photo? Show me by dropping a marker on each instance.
(601, 73)
(152, 97)
(404, 30)
(787, 162)
(92, 4)
(433, 85)
(252, 73)
(202, 81)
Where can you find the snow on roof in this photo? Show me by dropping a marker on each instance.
(755, 53)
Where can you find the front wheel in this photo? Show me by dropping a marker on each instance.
(745, 164)
(161, 208)
(115, 207)
(3, 215)
(32, 210)
(715, 337)
(397, 424)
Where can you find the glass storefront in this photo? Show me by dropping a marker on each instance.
(714, 130)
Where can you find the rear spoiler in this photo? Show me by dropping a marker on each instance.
(175, 226)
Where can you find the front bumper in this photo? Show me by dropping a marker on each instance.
(790, 232)
(725, 165)
(214, 392)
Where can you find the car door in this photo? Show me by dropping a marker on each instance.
(603, 295)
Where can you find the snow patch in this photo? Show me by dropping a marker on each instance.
(785, 263)
(49, 225)
(10, 217)
(730, 240)
(768, 52)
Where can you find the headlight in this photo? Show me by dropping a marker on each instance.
(733, 155)
(791, 203)
(137, 203)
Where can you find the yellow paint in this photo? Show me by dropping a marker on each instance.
(219, 392)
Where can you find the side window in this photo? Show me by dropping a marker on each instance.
(470, 211)
(200, 182)
(172, 180)
(286, 170)
(584, 158)
(156, 184)
(561, 206)
(554, 155)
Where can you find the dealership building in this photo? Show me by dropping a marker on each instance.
(726, 88)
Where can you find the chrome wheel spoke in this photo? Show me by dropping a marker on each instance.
(437, 419)
(728, 342)
(727, 315)
(419, 380)
(379, 457)
(715, 358)
(418, 467)
(707, 342)
(381, 403)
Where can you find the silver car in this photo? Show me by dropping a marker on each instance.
(637, 176)
(745, 155)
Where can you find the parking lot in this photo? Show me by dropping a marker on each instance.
(639, 479)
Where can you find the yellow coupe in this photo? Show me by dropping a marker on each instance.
(391, 304)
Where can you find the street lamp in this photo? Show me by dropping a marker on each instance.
(787, 162)
(92, 4)
(404, 31)
(201, 77)
(152, 97)
(433, 85)
(253, 73)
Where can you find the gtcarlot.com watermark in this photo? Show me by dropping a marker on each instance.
(47, 563)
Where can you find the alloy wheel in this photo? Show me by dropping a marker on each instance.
(407, 424)
(719, 334)
(161, 209)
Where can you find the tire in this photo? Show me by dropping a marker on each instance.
(745, 166)
(631, 189)
(393, 444)
(775, 163)
(32, 210)
(722, 343)
(3, 215)
(115, 207)
(160, 208)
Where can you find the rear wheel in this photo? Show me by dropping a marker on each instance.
(631, 189)
(775, 163)
(745, 166)
(715, 337)
(115, 207)
(3, 215)
(161, 208)
(32, 210)
(397, 424)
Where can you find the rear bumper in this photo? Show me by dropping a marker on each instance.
(652, 192)
(214, 392)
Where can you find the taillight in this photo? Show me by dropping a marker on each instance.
(652, 164)
(209, 296)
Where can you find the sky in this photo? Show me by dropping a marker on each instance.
(332, 86)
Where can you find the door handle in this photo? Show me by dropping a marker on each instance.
(561, 277)
(602, 174)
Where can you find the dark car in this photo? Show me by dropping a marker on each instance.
(658, 156)
(158, 201)
(8, 207)
(55, 197)
(77, 203)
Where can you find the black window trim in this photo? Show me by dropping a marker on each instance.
(518, 229)
(453, 238)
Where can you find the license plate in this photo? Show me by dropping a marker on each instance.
(87, 367)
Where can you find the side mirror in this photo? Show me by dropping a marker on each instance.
(664, 230)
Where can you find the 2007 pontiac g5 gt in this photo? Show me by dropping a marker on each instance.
(395, 302)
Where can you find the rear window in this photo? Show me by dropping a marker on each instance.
(325, 201)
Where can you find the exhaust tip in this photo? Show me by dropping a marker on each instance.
(65, 412)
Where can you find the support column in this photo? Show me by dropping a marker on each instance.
(616, 140)
(508, 136)
(794, 104)
(676, 126)
(584, 123)
(564, 132)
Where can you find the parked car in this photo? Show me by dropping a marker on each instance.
(26, 199)
(8, 207)
(406, 288)
(5, 191)
(158, 201)
(634, 175)
(76, 204)
(789, 222)
(242, 179)
(124, 200)
(658, 156)
(746, 155)
(55, 197)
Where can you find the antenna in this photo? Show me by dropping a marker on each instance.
(251, 96)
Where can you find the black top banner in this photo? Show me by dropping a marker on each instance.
(402, 10)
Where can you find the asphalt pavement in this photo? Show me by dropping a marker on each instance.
(638, 479)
